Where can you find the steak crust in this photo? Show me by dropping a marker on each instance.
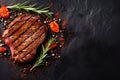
(23, 35)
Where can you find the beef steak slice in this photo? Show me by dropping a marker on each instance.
(23, 35)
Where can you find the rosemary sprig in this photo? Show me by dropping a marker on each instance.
(33, 8)
(43, 55)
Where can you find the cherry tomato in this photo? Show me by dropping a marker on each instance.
(54, 27)
(4, 12)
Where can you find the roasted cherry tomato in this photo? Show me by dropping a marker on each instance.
(4, 12)
(54, 27)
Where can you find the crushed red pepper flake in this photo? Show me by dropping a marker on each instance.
(54, 45)
(64, 23)
(2, 49)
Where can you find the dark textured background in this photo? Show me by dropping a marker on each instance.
(92, 49)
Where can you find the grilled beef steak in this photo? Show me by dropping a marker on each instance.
(23, 35)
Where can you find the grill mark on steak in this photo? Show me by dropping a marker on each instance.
(27, 51)
(29, 56)
(15, 20)
(32, 46)
(26, 58)
(23, 28)
(29, 40)
(27, 33)
(11, 29)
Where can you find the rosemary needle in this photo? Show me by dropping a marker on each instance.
(24, 6)
(43, 55)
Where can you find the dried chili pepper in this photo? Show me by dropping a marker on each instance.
(64, 23)
(54, 45)
(4, 12)
(54, 27)
(61, 39)
(2, 49)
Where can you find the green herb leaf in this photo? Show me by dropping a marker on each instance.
(43, 55)
(28, 8)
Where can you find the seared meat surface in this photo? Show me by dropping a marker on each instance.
(23, 35)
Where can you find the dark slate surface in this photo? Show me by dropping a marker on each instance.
(92, 49)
